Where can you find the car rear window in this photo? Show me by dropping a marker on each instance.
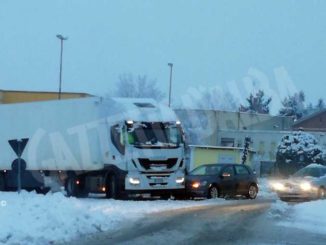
(241, 170)
(229, 170)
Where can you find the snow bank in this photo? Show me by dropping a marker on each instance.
(30, 218)
(280, 210)
(265, 190)
(309, 216)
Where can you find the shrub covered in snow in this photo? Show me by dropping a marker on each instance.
(296, 151)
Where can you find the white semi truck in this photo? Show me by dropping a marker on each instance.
(115, 146)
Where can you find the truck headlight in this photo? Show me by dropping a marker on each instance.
(134, 181)
(180, 180)
(305, 186)
(278, 186)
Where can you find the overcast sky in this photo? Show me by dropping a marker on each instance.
(211, 43)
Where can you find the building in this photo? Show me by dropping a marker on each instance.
(220, 128)
(12, 96)
(229, 130)
(200, 154)
(315, 122)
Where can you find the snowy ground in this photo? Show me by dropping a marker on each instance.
(265, 190)
(308, 216)
(30, 218)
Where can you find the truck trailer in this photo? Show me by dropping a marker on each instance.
(117, 146)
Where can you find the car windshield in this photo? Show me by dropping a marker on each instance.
(309, 172)
(155, 134)
(206, 170)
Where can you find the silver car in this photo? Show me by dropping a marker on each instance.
(308, 183)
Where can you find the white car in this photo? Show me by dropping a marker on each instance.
(308, 183)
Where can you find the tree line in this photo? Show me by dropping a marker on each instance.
(293, 105)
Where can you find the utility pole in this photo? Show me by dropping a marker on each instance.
(170, 87)
(61, 52)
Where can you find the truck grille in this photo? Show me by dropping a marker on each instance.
(149, 164)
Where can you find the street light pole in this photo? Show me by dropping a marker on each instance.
(61, 52)
(170, 87)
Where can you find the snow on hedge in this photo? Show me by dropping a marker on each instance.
(300, 144)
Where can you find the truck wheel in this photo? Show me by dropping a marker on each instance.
(111, 187)
(166, 196)
(2, 182)
(181, 195)
(71, 187)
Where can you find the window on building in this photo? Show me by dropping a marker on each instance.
(227, 142)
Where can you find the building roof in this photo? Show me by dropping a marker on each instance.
(43, 92)
(220, 147)
(315, 114)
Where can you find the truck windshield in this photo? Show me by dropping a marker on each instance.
(162, 135)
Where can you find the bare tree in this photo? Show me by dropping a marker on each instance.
(139, 87)
(209, 99)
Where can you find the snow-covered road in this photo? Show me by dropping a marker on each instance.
(237, 223)
(308, 216)
(39, 219)
(30, 218)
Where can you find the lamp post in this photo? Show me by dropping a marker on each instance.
(170, 87)
(62, 38)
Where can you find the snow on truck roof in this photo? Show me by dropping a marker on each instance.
(138, 109)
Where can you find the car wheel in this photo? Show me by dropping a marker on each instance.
(321, 193)
(213, 192)
(252, 192)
